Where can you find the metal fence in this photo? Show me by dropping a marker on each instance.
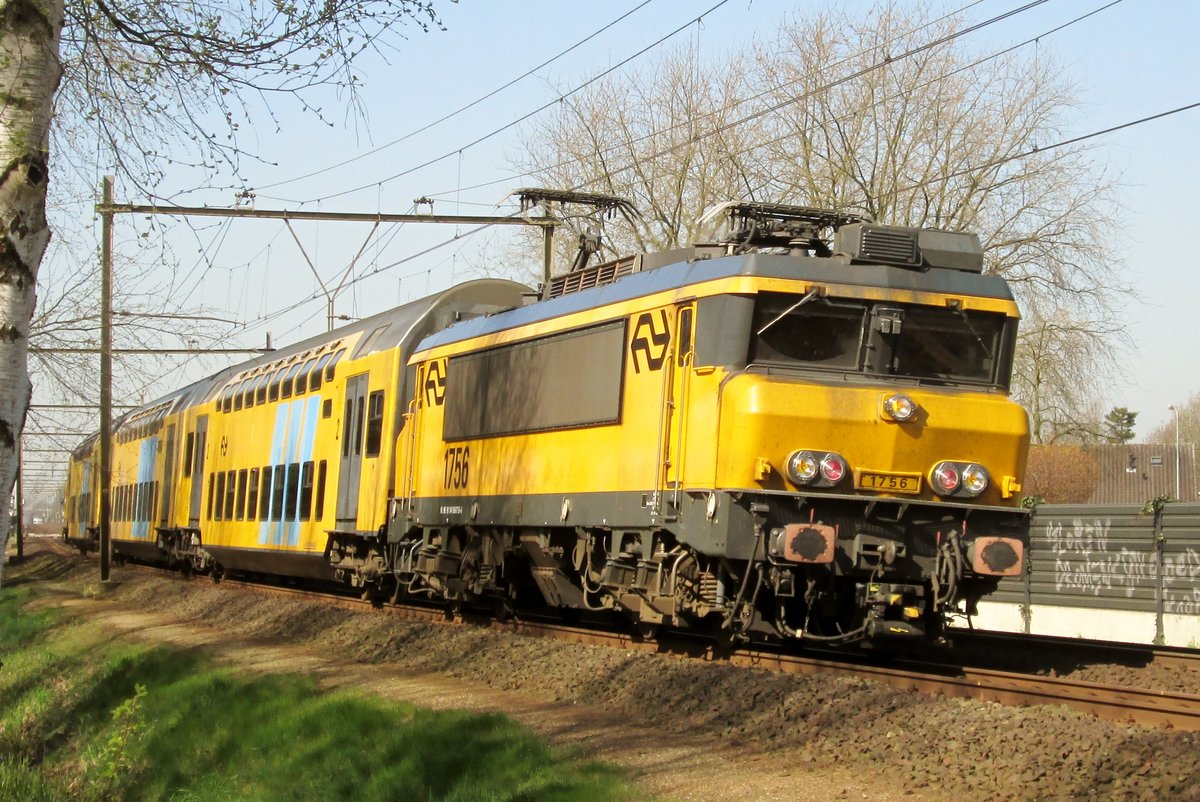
(1114, 572)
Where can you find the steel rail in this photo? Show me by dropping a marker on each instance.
(1115, 703)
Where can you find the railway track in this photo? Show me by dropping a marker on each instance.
(1112, 702)
(1116, 703)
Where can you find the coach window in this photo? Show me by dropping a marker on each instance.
(306, 491)
(273, 390)
(346, 422)
(260, 389)
(154, 501)
(241, 495)
(230, 492)
(277, 494)
(319, 513)
(332, 363)
(289, 379)
(238, 394)
(226, 402)
(289, 491)
(374, 423)
(188, 448)
(302, 377)
(314, 378)
(219, 506)
(264, 503)
(210, 496)
(252, 496)
(358, 429)
(248, 391)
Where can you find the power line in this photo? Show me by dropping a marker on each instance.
(538, 110)
(1036, 149)
(833, 84)
(830, 85)
(461, 109)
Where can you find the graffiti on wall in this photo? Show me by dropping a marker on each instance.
(1085, 563)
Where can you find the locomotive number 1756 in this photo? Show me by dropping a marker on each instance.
(458, 467)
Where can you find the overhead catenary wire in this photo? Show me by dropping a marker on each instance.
(887, 62)
(791, 101)
(986, 165)
(695, 20)
(463, 108)
(536, 111)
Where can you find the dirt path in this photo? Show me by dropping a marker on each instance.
(662, 763)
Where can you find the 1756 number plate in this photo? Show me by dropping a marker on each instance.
(890, 482)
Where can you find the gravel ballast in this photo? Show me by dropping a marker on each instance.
(911, 745)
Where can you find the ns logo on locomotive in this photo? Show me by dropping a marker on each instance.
(798, 430)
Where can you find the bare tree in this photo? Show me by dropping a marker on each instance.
(140, 81)
(1060, 359)
(886, 113)
(1189, 424)
(660, 137)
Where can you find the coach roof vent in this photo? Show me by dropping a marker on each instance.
(909, 247)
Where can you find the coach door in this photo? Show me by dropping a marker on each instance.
(198, 471)
(350, 473)
(168, 479)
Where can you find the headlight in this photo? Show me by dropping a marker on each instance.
(802, 467)
(959, 479)
(899, 407)
(974, 479)
(816, 468)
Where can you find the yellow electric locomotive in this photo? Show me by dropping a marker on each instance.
(798, 430)
(782, 432)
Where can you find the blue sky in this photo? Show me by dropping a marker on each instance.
(1135, 59)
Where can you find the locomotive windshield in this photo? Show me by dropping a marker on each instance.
(929, 343)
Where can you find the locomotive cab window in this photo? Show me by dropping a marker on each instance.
(950, 344)
(791, 329)
(923, 343)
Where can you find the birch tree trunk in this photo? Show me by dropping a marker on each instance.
(29, 75)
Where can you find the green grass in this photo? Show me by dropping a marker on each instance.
(83, 717)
